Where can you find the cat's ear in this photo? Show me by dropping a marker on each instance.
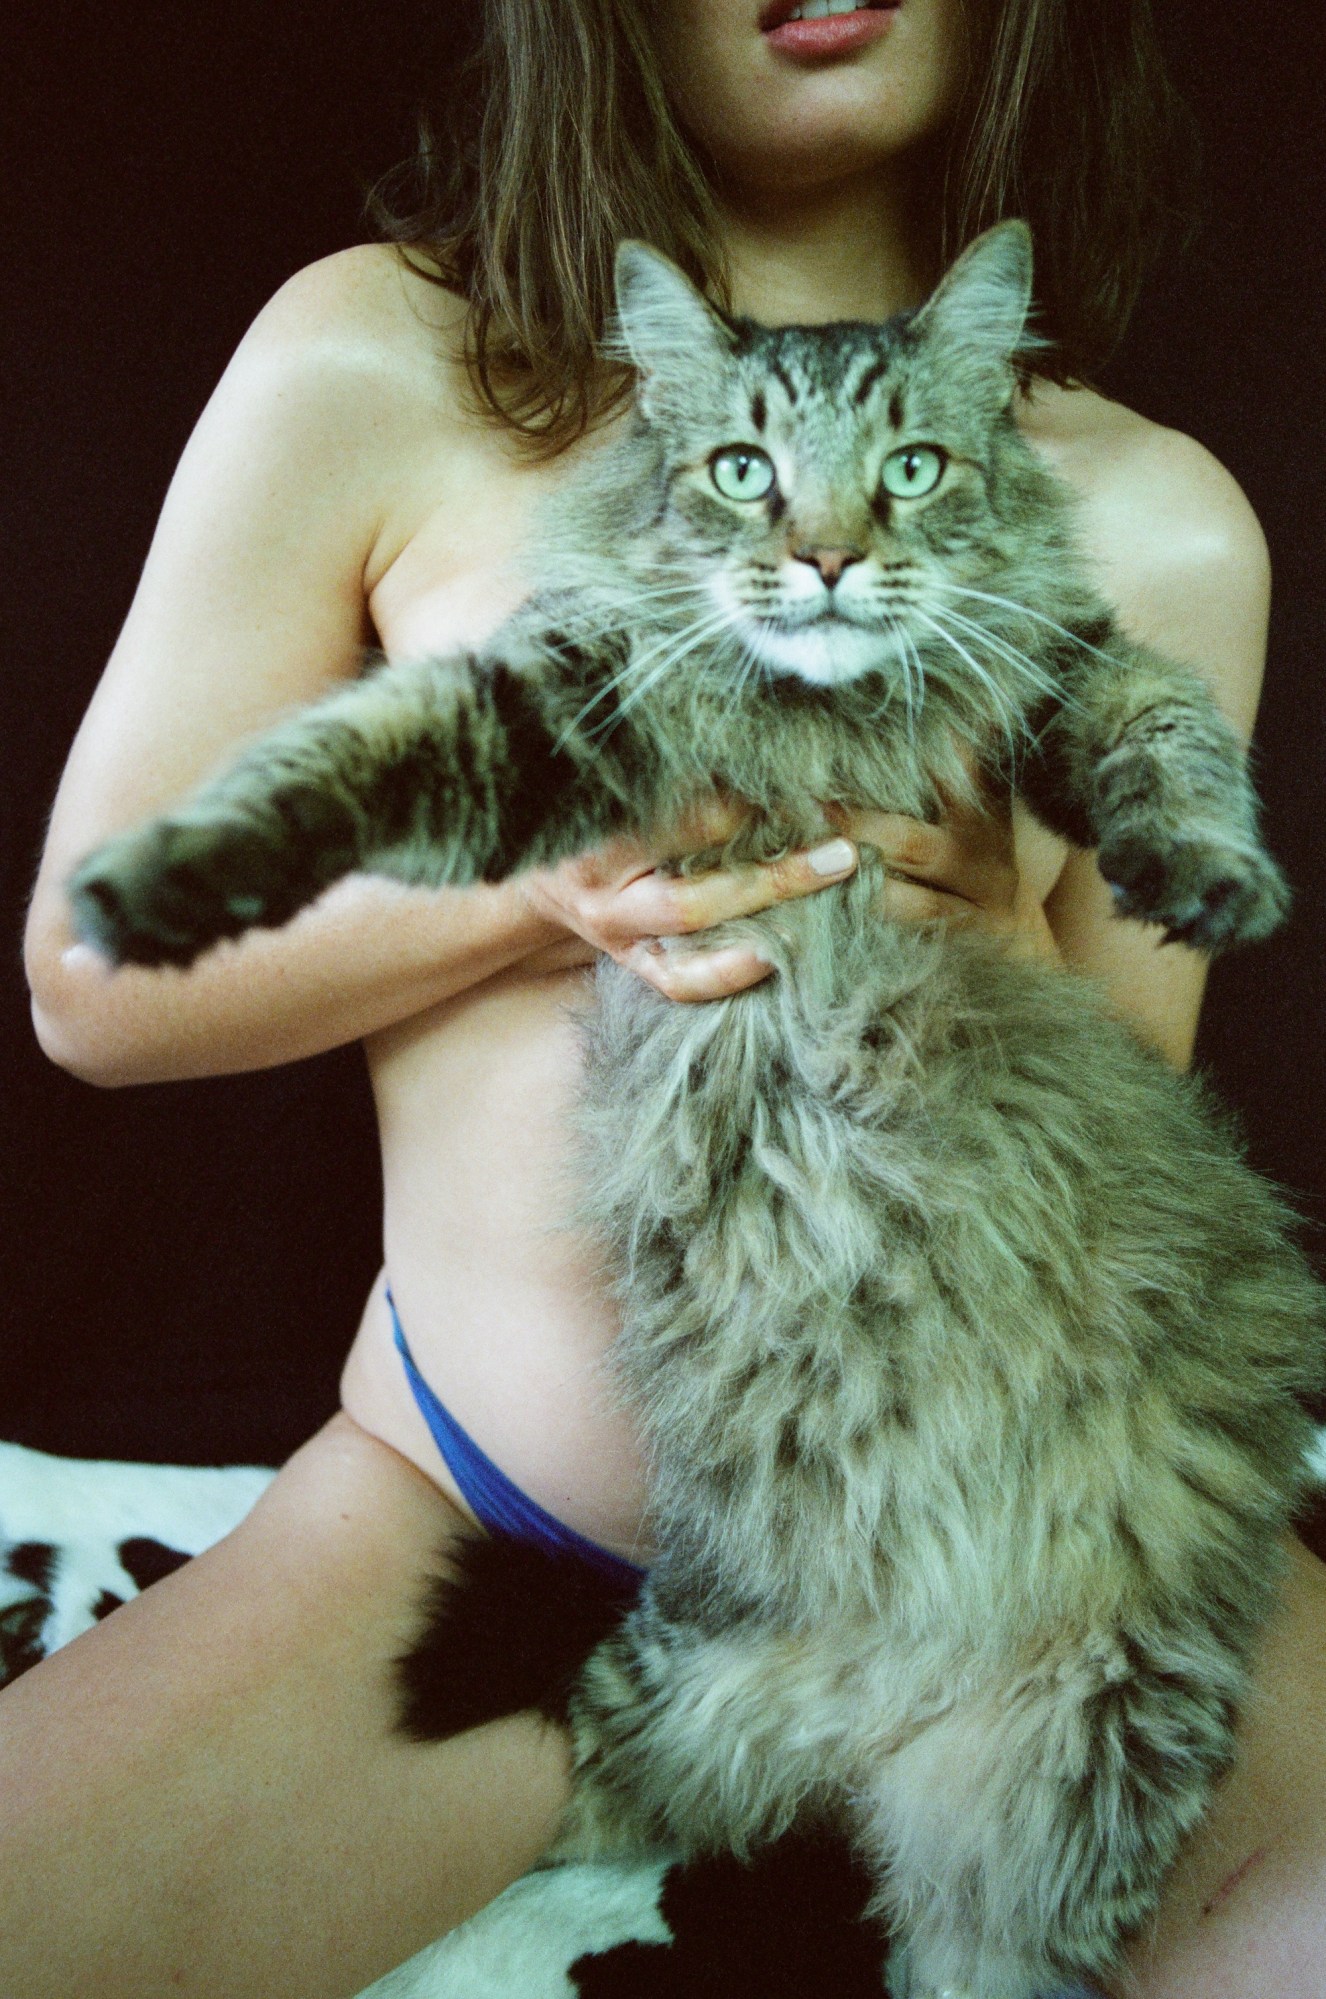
(982, 303)
(665, 329)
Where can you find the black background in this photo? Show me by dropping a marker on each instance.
(183, 1264)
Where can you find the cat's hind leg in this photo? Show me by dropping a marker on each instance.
(1023, 1837)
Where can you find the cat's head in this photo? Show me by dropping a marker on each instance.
(829, 487)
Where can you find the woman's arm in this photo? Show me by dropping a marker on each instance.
(1180, 555)
(251, 603)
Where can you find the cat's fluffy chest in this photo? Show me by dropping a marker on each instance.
(792, 753)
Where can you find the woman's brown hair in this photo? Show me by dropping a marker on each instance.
(559, 141)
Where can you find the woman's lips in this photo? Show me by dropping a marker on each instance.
(830, 35)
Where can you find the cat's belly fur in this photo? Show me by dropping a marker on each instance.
(945, 1301)
(966, 1352)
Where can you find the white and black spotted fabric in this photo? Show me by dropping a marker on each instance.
(78, 1538)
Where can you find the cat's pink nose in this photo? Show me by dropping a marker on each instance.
(830, 562)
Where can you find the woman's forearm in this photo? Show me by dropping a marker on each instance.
(367, 955)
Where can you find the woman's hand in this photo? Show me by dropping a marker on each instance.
(970, 869)
(621, 899)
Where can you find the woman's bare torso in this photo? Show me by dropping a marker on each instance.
(504, 1313)
(500, 1301)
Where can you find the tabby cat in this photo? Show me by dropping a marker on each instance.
(965, 1349)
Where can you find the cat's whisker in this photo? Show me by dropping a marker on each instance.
(914, 692)
(600, 694)
(750, 665)
(733, 702)
(1009, 715)
(1026, 611)
(672, 654)
(894, 687)
(673, 645)
(611, 616)
(1026, 667)
(739, 676)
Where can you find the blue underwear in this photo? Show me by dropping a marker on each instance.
(496, 1502)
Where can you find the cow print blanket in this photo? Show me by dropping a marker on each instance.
(78, 1538)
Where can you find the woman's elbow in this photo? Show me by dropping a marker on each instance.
(72, 1015)
(74, 1044)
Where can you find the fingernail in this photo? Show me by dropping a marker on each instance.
(835, 857)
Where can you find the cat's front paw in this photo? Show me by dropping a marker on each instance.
(163, 894)
(1207, 891)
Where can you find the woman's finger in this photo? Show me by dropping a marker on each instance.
(905, 901)
(696, 976)
(662, 905)
(969, 856)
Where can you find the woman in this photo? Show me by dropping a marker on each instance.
(228, 1735)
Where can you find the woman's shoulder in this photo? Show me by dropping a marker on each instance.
(348, 400)
(1169, 494)
(1176, 545)
(363, 322)
(376, 290)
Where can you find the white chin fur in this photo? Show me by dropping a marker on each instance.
(824, 653)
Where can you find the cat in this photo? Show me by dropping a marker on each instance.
(966, 1351)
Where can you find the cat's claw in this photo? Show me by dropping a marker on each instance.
(1205, 892)
(163, 894)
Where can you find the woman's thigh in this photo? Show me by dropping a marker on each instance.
(205, 1793)
(1245, 1912)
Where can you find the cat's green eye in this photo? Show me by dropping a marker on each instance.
(742, 472)
(914, 471)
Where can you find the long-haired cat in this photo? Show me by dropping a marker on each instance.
(965, 1350)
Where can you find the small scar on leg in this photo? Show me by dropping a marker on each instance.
(1240, 1873)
